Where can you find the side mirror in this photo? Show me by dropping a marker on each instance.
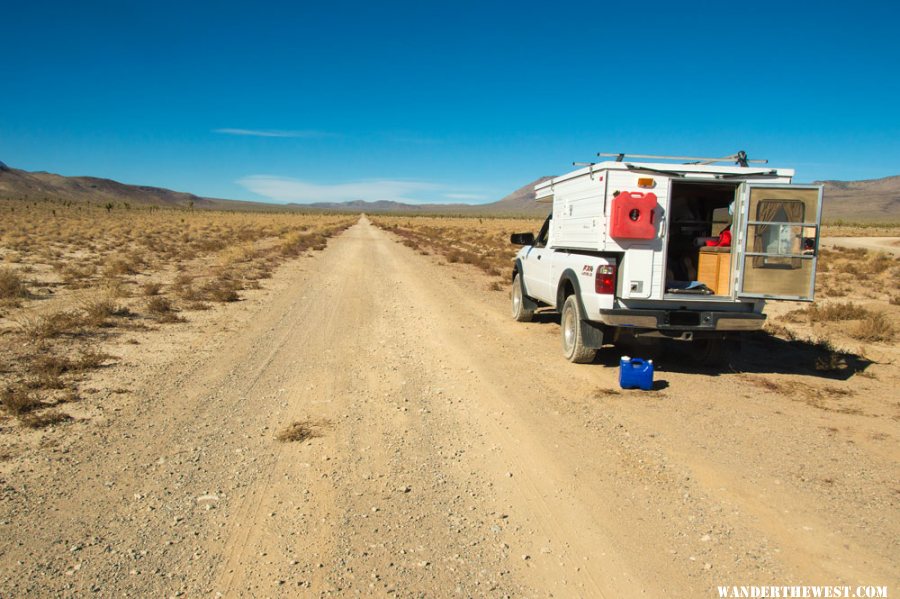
(522, 238)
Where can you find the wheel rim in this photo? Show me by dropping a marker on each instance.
(516, 298)
(569, 331)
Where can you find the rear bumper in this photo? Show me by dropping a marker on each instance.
(684, 320)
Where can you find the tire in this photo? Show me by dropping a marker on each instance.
(519, 311)
(715, 352)
(570, 326)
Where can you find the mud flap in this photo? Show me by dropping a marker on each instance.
(592, 334)
(527, 302)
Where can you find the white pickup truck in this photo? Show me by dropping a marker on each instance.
(689, 252)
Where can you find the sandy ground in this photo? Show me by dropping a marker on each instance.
(457, 454)
(890, 245)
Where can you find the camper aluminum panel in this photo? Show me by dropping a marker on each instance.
(644, 260)
(636, 274)
(627, 181)
(578, 219)
(543, 194)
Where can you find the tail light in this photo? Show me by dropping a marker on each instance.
(605, 281)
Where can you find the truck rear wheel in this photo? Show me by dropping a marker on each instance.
(572, 342)
(715, 352)
(519, 311)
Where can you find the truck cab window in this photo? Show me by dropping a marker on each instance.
(541, 239)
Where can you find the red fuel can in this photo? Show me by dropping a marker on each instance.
(632, 215)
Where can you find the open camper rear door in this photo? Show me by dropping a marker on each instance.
(779, 244)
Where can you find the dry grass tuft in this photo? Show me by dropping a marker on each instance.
(11, 285)
(161, 308)
(49, 326)
(46, 368)
(874, 327)
(19, 400)
(90, 359)
(77, 276)
(832, 361)
(828, 398)
(767, 384)
(221, 289)
(117, 267)
(878, 263)
(44, 419)
(833, 311)
(159, 304)
(151, 288)
(300, 431)
(97, 311)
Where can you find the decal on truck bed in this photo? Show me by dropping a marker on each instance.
(587, 271)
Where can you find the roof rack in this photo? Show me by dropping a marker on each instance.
(739, 158)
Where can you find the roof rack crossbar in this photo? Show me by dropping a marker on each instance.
(739, 158)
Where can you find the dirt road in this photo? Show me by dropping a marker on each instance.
(457, 454)
(890, 245)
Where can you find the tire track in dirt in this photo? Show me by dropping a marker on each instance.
(249, 529)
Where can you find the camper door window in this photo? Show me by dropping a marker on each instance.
(777, 236)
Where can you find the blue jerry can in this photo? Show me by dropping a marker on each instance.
(635, 373)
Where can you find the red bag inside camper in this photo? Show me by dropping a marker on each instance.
(632, 215)
(722, 241)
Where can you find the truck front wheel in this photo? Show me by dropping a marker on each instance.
(519, 311)
(572, 342)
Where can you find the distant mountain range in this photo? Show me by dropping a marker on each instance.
(868, 200)
(25, 185)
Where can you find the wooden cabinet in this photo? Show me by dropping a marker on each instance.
(714, 269)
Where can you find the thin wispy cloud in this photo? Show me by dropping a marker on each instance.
(286, 189)
(307, 134)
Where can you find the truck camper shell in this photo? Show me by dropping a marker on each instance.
(771, 221)
(682, 248)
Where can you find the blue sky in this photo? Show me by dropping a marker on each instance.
(451, 101)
